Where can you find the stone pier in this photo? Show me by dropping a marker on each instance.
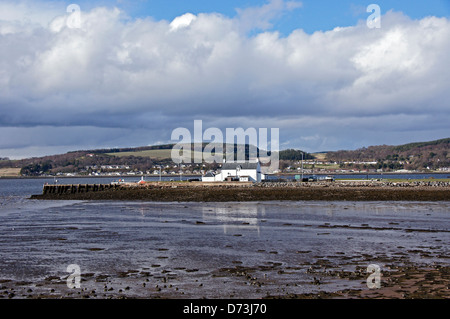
(76, 188)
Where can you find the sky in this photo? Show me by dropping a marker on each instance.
(127, 73)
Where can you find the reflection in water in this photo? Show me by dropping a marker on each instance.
(142, 210)
(329, 211)
(236, 217)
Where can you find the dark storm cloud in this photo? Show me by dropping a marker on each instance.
(136, 80)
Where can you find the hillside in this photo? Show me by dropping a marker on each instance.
(422, 156)
(412, 156)
(117, 160)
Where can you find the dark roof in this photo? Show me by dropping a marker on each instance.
(209, 175)
(245, 165)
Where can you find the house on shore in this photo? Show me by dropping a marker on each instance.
(209, 177)
(235, 171)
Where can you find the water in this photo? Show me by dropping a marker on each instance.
(419, 176)
(193, 243)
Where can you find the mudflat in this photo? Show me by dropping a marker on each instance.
(397, 282)
(214, 250)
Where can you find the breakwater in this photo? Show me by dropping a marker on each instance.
(229, 192)
(77, 188)
(357, 183)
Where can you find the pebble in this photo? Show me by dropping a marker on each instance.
(351, 184)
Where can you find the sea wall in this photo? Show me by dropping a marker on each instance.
(358, 183)
(76, 188)
(223, 192)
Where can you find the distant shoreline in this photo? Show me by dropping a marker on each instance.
(199, 175)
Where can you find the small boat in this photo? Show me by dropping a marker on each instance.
(141, 181)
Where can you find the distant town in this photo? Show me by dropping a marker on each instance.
(313, 167)
(432, 157)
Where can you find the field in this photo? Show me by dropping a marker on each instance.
(8, 172)
(159, 154)
(320, 156)
(319, 166)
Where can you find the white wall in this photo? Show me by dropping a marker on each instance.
(253, 175)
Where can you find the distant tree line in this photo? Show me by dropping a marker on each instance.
(421, 155)
(294, 155)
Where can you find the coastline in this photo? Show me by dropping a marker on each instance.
(408, 281)
(414, 263)
(279, 175)
(248, 192)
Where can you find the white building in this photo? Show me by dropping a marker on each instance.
(243, 172)
(209, 177)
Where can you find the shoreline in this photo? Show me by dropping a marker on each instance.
(409, 281)
(315, 254)
(200, 175)
(247, 192)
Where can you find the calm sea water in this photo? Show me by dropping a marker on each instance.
(41, 238)
(436, 176)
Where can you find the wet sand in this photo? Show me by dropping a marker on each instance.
(304, 250)
(405, 282)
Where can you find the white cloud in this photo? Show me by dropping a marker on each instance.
(114, 72)
(182, 21)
